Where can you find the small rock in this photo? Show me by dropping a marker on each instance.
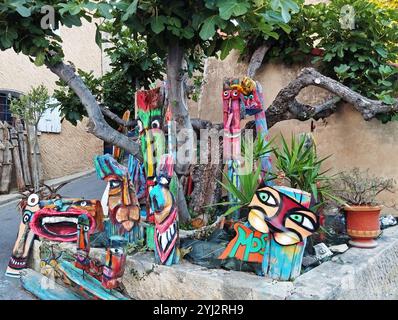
(322, 251)
(309, 261)
(387, 221)
(339, 249)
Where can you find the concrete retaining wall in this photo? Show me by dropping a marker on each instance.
(356, 274)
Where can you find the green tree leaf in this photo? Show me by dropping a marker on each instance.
(208, 29)
(131, 10)
(229, 8)
(23, 11)
(229, 44)
(158, 24)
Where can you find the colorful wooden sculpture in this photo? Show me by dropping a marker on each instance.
(232, 132)
(115, 262)
(57, 219)
(88, 286)
(23, 243)
(52, 219)
(164, 209)
(136, 171)
(83, 243)
(279, 222)
(150, 125)
(252, 100)
(231, 117)
(124, 208)
(248, 245)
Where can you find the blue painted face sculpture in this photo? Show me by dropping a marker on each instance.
(123, 204)
(164, 209)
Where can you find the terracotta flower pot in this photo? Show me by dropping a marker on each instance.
(363, 225)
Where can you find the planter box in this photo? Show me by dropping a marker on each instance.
(357, 274)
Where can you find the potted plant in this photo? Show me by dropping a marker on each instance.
(359, 190)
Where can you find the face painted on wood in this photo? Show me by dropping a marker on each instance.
(115, 262)
(23, 243)
(123, 204)
(250, 98)
(150, 128)
(231, 116)
(164, 208)
(289, 222)
(83, 243)
(57, 219)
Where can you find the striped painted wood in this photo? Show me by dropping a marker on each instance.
(45, 288)
(89, 283)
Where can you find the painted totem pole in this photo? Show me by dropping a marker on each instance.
(115, 262)
(232, 132)
(279, 222)
(124, 208)
(83, 243)
(150, 127)
(252, 100)
(23, 243)
(164, 210)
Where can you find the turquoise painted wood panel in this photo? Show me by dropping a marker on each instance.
(89, 283)
(283, 262)
(45, 288)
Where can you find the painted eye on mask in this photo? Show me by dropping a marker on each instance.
(251, 97)
(302, 220)
(82, 203)
(235, 93)
(163, 181)
(140, 126)
(226, 94)
(115, 184)
(116, 251)
(33, 200)
(86, 228)
(26, 217)
(155, 124)
(267, 198)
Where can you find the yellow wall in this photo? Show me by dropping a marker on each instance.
(352, 141)
(72, 150)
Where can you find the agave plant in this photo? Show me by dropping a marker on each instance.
(301, 166)
(249, 181)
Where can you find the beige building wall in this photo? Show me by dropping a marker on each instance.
(72, 150)
(350, 140)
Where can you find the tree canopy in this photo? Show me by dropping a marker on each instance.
(193, 23)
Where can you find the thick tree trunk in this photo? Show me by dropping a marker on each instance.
(97, 126)
(180, 114)
(179, 108)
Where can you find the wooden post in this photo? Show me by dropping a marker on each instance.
(5, 177)
(23, 151)
(34, 156)
(17, 160)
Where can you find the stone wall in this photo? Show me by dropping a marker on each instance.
(350, 140)
(72, 150)
(360, 274)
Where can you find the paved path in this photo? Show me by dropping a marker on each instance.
(89, 187)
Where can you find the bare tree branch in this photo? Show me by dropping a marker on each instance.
(256, 60)
(286, 106)
(109, 114)
(97, 126)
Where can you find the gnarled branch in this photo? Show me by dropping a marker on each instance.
(286, 106)
(97, 126)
